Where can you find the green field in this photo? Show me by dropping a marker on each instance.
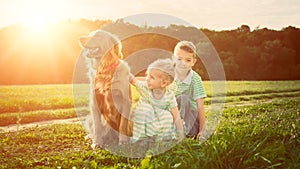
(259, 128)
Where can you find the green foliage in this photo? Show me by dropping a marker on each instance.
(261, 54)
(25, 104)
(262, 134)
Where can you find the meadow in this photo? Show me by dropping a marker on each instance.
(257, 128)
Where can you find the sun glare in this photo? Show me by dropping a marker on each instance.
(38, 16)
(34, 20)
(37, 19)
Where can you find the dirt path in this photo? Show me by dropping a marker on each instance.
(15, 127)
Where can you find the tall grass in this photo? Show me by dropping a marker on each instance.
(259, 128)
(256, 136)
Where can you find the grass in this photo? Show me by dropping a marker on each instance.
(35, 97)
(39, 115)
(33, 103)
(261, 132)
(257, 136)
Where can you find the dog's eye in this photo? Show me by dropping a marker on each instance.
(93, 50)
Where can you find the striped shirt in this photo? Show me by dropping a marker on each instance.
(153, 117)
(192, 85)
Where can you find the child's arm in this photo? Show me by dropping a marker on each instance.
(178, 122)
(201, 116)
(141, 78)
(132, 79)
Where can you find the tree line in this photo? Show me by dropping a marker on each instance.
(51, 56)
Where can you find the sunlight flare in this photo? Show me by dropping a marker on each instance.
(40, 15)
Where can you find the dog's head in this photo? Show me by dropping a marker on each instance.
(97, 44)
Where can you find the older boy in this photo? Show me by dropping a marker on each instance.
(190, 92)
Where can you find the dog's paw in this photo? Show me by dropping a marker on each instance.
(96, 146)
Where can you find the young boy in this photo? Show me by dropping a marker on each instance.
(190, 92)
(156, 113)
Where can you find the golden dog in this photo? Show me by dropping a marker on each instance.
(110, 101)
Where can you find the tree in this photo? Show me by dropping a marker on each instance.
(244, 28)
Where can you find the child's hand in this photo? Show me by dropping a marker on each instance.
(180, 135)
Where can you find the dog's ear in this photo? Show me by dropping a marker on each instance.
(116, 52)
(83, 40)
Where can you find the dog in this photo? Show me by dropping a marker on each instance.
(110, 102)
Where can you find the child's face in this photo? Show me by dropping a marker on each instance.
(186, 59)
(154, 79)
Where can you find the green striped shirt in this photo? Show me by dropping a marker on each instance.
(153, 117)
(192, 85)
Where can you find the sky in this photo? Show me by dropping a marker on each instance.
(210, 14)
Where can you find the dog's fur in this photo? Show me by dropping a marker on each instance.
(107, 124)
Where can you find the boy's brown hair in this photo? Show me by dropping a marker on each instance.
(186, 46)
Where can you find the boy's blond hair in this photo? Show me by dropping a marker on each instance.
(167, 66)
